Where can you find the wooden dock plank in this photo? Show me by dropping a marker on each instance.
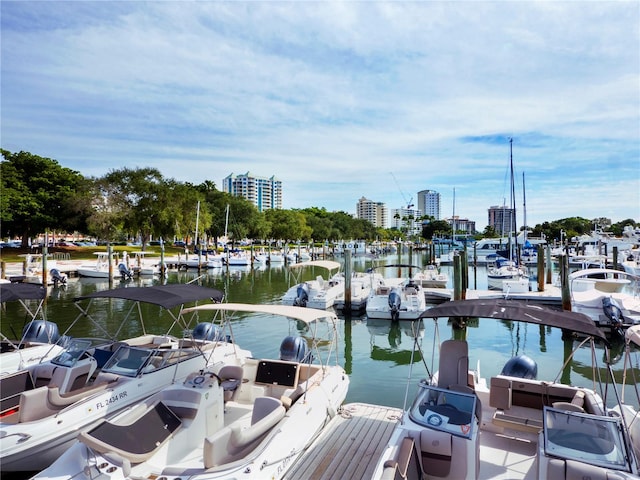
(349, 446)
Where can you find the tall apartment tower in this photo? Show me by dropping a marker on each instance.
(376, 212)
(429, 203)
(502, 219)
(265, 193)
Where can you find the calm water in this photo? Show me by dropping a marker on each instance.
(377, 354)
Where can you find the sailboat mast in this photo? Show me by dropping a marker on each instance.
(453, 219)
(524, 209)
(197, 221)
(513, 188)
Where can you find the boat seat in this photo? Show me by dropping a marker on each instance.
(454, 364)
(235, 440)
(575, 405)
(135, 442)
(404, 466)
(230, 380)
(571, 470)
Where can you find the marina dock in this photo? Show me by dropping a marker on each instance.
(349, 446)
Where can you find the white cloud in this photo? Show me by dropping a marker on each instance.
(338, 94)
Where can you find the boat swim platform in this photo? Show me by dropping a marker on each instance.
(349, 446)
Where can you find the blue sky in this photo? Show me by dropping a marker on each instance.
(331, 97)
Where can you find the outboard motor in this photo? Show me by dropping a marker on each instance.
(394, 301)
(520, 366)
(57, 277)
(302, 295)
(613, 312)
(125, 273)
(41, 331)
(207, 331)
(294, 349)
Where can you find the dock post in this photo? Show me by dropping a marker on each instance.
(549, 266)
(564, 279)
(457, 277)
(347, 281)
(616, 266)
(110, 263)
(465, 272)
(45, 252)
(163, 267)
(3, 269)
(540, 266)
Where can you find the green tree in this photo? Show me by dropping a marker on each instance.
(37, 194)
(288, 225)
(436, 228)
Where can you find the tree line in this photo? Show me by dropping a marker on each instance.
(37, 194)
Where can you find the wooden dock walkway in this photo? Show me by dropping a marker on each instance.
(349, 446)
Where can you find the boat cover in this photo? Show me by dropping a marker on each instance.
(10, 292)
(518, 311)
(167, 296)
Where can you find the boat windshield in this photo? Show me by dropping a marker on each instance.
(131, 361)
(72, 354)
(127, 361)
(585, 438)
(445, 410)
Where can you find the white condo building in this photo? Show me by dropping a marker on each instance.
(429, 203)
(406, 218)
(265, 193)
(375, 212)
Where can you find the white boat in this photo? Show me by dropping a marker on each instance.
(461, 426)
(276, 257)
(39, 340)
(46, 406)
(397, 298)
(101, 268)
(321, 292)
(203, 261)
(504, 270)
(361, 285)
(237, 259)
(143, 266)
(431, 277)
(34, 264)
(631, 262)
(253, 422)
(592, 289)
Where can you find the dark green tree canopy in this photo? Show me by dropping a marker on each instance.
(38, 195)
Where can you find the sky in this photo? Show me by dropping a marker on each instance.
(339, 100)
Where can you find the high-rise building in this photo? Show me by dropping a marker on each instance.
(265, 193)
(406, 219)
(375, 212)
(429, 203)
(502, 219)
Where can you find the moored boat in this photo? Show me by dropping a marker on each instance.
(461, 426)
(43, 408)
(249, 422)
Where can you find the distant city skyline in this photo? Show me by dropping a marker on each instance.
(330, 97)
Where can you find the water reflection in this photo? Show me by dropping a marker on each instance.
(400, 350)
(376, 353)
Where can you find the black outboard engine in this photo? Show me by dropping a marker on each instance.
(57, 277)
(294, 349)
(613, 312)
(302, 295)
(40, 331)
(207, 331)
(125, 273)
(394, 301)
(520, 366)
